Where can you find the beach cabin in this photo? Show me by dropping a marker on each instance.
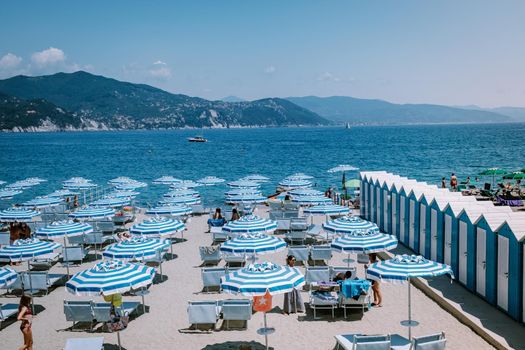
(510, 265)
(414, 216)
(450, 233)
(403, 209)
(386, 205)
(364, 195)
(394, 214)
(378, 209)
(487, 254)
(437, 206)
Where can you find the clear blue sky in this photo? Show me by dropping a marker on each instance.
(448, 52)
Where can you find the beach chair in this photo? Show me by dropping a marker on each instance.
(198, 209)
(73, 255)
(283, 225)
(298, 224)
(76, 240)
(296, 236)
(323, 301)
(210, 255)
(429, 342)
(6, 311)
(34, 282)
(317, 274)
(290, 207)
(363, 258)
(301, 253)
(218, 235)
(102, 311)
(362, 302)
(363, 342)
(290, 214)
(157, 261)
(4, 239)
(334, 270)
(234, 259)
(203, 312)
(321, 253)
(315, 231)
(276, 214)
(211, 277)
(275, 205)
(236, 310)
(95, 343)
(44, 262)
(79, 311)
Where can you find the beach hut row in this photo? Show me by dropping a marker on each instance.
(483, 243)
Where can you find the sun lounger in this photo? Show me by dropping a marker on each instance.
(211, 276)
(95, 343)
(203, 312)
(102, 311)
(283, 225)
(44, 262)
(34, 282)
(234, 259)
(218, 235)
(72, 255)
(358, 301)
(290, 214)
(300, 253)
(429, 342)
(236, 310)
(79, 311)
(4, 239)
(317, 274)
(323, 300)
(210, 255)
(321, 253)
(335, 270)
(106, 227)
(198, 209)
(6, 311)
(296, 236)
(298, 224)
(363, 342)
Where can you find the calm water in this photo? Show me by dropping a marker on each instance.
(423, 152)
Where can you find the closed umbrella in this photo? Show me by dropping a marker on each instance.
(401, 269)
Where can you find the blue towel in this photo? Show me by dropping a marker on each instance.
(216, 222)
(354, 288)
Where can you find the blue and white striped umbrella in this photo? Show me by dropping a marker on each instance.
(77, 179)
(6, 193)
(242, 191)
(342, 168)
(130, 186)
(250, 223)
(166, 180)
(327, 209)
(300, 176)
(21, 184)
(27, 249)
(243, 184)
(92, 213)
(362, 241)
(256, 178)
(80, 186)
(246, 198)
(110, 277)
(18, 215)
(136, 248)
(289, 184)
(59, 229)
(180, 200)
(173, 210)
(120, 180)
(8, 276)
(43, 202)
(311, 200)
(257, 279)
(111, 202)
(210, 180)
(348, 224)
(185, 184)
(36, 180)
(185, 192)
(401, 269)
(303, 192)
(122, 194)
(159, 226)
(253, 243)
(63, 193)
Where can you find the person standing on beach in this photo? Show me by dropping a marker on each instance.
(293, 302)
(453, 182)
(443, 183)
(376, 288)
(25, 315)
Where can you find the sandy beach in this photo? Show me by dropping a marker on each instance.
(161, 327)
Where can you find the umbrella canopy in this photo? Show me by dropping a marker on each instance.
(27, 249)
(63, 193)
(7, 193)
(92, 213)
(120, 180)
(110, 277)
(517, 175)
(300, 192)
(403, 267)
(136, 248)
(185, 184)
(59, 229)
(180, 200)
(250, 223)
(184, 192)
(166, 180)
(354, 183)
(80, 186)
(300, 176)
(342, 168)
(210, 180)
(493, 171)
(349, 224)
(130, 186)
(122, 194)
(18, 215)
(76, 179)
(111, 202)
(246, 198)
(257, 279)
(327, 209)
(292, 183)
(256, 178)
(362, 241)
(244, 184)
(159, 226)
(311, 200)
(43, 202)
(242, 192)
(174, 210)
(7, 277)
(253, 243)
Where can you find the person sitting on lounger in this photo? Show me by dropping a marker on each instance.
(343, 276)
(235, 214)
(217, 220)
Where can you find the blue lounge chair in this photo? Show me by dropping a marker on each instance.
(236, 310)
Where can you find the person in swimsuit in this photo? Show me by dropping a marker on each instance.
(376, 288)
(453, 182)
(25, 315)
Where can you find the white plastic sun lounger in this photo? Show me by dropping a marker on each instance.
(95, 343)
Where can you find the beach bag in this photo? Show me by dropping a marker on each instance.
(118, 323)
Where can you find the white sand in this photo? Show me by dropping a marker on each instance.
(159, 329)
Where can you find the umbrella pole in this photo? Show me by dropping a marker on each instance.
(118, 340)
(266, 333)
(409, 312)
(30, 287)
(65, 255)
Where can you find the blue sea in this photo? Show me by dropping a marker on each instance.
(425, 153)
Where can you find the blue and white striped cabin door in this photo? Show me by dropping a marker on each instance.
(448, 239)
(422, 228)
(481, 257)
(372, 204)
(433, 234)
(385, 212)
(402, 219)
(523, 289)
(462, 258)
(378, 206)
(411, 223)
(503, 273)
(394, 214)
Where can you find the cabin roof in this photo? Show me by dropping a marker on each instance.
(494, 219)
(516, 223)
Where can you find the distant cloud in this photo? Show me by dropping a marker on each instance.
(327, 76)
(51, 56)
(160, 63)
(270, 70)
(10, 61)
(160, 70)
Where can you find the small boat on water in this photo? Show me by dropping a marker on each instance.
(347, 126)
(197, 139)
